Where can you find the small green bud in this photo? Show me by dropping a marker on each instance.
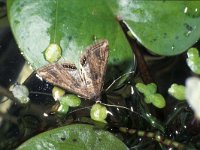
(146, 89)
(177, 91)
(152, 88)
(71, 100)
(150, 95)
(147, 99)
(141, 87)
(193, 52)
(53, 52)
(193, 60)
(98, 113)
(158, 100)
(57, 93)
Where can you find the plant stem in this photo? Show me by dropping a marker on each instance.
(154, 136)
(142, 66)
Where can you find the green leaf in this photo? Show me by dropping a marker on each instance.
(142, 88)
(74, 137)
(71, 24)
(158, 100)
(152, 88)
(163, 27)
(63, 108)
(147, 100)
(146, 89)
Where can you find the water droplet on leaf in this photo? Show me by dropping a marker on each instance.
(192, 9)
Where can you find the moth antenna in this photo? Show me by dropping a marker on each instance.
(123, 107)
(41, 93)
(80, 109)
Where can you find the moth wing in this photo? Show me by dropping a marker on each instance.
(94, 63)
(66, 76)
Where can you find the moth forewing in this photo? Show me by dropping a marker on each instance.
(85, 81)
(97, 58)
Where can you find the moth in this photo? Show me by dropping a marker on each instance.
(87, 80)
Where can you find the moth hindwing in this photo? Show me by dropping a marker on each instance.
(85, 81)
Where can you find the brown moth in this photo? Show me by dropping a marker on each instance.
(85, 81)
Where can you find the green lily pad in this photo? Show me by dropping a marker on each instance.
(71, 24)
(163, 27)
(74, 137)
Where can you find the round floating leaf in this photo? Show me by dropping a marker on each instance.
(71, 24)
(163, 27)
(74, 137)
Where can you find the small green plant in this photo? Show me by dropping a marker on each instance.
(98, 113)
(193, 60)
(150, 95)
(66, 101)
(177, 91)
(57, 93)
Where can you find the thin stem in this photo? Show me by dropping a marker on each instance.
(157, 137)
(41, 93)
